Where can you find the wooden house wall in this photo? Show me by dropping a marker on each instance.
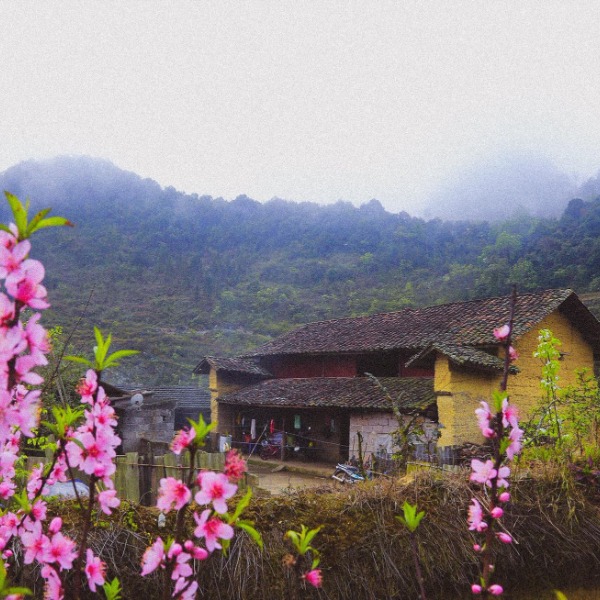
(314, 366)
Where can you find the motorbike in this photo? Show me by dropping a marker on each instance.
(347, 474)
(269, 449)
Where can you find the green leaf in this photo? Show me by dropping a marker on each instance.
(225, 546)
(499, 396)
(23, 501)
(294, 536)
(248, 527)
(241, 505)
(101, 348)
(301, 539)
(51, 222)
(201, 429)
(80, 359)
(111, 361)
(411, 519)
(19, 213)
(310, 536)
(36, 219)
(38, 222)
(112, 590)
(22, 591)
(559, 595)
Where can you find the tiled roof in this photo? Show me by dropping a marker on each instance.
(463, 356)
(171, 396)
(336, 392)
(182, 397)
(244, 365)
(460, 323)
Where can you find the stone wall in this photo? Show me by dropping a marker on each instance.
(156, 425)
(376, 429)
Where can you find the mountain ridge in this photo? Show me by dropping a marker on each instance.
(178, 276)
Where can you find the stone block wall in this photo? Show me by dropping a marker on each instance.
(153, 425)
(376, 429)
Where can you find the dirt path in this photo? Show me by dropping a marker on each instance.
(277, 482)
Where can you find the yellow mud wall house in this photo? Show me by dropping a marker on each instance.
(442, 361)
(460, 389)
(225, 376)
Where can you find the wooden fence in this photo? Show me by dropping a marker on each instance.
(137, 478)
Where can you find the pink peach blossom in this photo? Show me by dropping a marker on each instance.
(514, 447)
(181, 592)
(35, 544)
(53, 589)
(88, 386)
(510, 414)
(108, 500)
(37, 340)
(61, 550)
(154, 557)
(484, 417)
(12, 258)
(215, 488)
(211, 529)
(501, 333)
(94, 570)
(496, 512)
(172, 492)
(235, 465)
(197, 552)
(475, 518)
(503, 472)
(182, 567)
(7, 310)
(28, 288)
(483, 472)
(183, 438)
(314, 577)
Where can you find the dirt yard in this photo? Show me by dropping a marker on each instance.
(278, 481)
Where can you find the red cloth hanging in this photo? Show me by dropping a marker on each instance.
(272, 426)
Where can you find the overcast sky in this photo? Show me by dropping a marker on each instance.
(302, 100)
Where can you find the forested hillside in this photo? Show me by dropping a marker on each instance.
(179, 276)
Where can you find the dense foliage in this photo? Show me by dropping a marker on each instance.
(179, 276)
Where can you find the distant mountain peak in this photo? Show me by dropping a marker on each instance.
(502, 186)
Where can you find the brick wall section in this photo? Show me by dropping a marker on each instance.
(376, 430)
(154, 425)
(466, 388)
